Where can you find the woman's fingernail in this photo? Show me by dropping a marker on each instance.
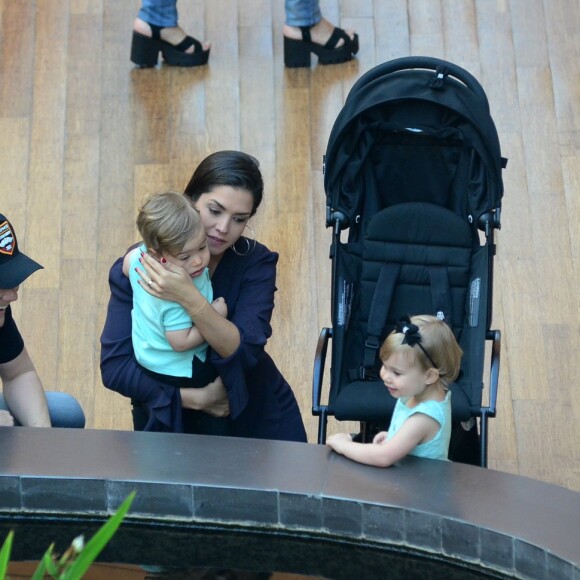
(163, 261)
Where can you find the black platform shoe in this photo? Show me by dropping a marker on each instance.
(297, 52)
(145, 50)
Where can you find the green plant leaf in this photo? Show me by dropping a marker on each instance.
(46, 565)
(95, 545)
(5, 554)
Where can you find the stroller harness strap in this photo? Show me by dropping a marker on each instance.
(380, 305)
(441, 294)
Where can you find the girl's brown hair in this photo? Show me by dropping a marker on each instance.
(439, 342)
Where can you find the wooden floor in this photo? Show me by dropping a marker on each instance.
(83, 136)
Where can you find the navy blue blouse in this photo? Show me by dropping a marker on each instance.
(262, 404)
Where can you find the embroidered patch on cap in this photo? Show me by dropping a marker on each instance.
(6, 239)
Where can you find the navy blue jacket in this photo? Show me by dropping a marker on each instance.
(262, 404)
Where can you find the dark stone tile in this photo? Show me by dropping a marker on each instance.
(10, 493)
(384, 523)
(423, 530)
(64, 495)
(342, 517)
(349, 479)
(169, 457)
(460, 539)
(558, 569)
(543, 514)
(530, 561)
(497, 550)
(235, 505)
(272, 465)
(300, 511)
(68, 453)
(152, 499)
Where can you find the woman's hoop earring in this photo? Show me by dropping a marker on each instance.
(251, 244)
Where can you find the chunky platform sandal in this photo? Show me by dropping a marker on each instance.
(297, 52)
(145, 50)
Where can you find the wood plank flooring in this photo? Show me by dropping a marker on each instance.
(84, 135)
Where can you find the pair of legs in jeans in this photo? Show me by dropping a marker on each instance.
(64, 410)
(304, 24)
(164, 12)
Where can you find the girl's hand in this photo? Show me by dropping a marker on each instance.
(339, 441)
(380, 438)
(164, 280)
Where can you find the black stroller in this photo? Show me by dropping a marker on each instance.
(413, 172)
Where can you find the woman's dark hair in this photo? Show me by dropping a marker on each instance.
(233, 168)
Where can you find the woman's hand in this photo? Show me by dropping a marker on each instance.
(211, 399)
(170, 282)
(166, 281)
(217, 403)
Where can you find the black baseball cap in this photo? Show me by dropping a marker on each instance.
(15, 267)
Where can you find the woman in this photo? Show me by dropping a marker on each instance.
(227, 190)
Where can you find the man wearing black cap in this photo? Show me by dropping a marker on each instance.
(23, 400)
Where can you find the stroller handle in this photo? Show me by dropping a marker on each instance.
(428, 63)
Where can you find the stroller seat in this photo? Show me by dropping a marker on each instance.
(417, 258)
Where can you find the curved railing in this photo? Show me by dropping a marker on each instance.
(463, 514)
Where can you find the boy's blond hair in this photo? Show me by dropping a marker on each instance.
(439, 342)
(166, 221)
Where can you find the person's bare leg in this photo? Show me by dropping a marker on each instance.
(320, 32)
(172, 34)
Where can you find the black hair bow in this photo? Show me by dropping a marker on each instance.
(412, 336)
(411, 331)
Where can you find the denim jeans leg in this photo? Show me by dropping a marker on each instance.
(159, 12)
(302, 12)
(64, 410)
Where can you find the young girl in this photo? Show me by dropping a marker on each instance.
(421, 359)
(167, 345)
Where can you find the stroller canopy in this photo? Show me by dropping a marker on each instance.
(413, 129)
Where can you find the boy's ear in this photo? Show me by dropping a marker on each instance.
(431, 376)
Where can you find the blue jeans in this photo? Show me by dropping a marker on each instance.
(164, 12)
(64, 410)
(302, 12)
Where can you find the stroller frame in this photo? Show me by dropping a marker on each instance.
(424, 83)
